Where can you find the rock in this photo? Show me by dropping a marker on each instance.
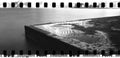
(91, 34)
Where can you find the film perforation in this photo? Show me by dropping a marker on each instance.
(86, 4)
(29, 52)
(21, 52)
(37, 4)
(102, 4)
(21, 5)
(111, 4)
(70, 53)
(62, 4)
(13, 4)
(95, 52)
(45, 4)
(86, 52)
(29, 4)
(70, 4)
(4, 52)
(12, 53)
(53, 4)
(79, 52)
(95, 4)
(118, 4)
(111, 52)
(103, 52)
(37, 52)
(45, 52)
(4, 4)
(78, 5)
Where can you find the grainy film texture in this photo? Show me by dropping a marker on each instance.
(60, 27)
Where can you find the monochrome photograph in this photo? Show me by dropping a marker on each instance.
(56, 30)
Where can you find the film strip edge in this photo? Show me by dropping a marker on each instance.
(70, 53)
(60, 5)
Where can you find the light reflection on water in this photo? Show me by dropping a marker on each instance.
(12, 21)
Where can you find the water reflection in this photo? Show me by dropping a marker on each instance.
(12, 22)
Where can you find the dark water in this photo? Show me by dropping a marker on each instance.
(12, 23)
